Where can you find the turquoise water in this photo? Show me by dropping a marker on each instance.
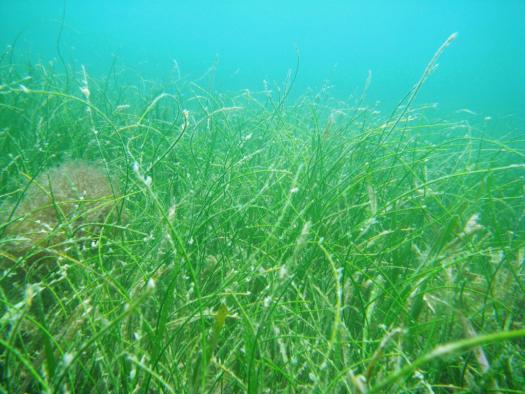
(174, 219)
(243, 43)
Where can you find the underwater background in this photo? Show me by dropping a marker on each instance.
(234, 45)
(262, 197)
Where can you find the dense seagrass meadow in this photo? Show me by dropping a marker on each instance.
(163, 237)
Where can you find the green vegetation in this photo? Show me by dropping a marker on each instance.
(259, 245)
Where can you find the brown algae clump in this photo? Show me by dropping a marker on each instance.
(61, 207)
